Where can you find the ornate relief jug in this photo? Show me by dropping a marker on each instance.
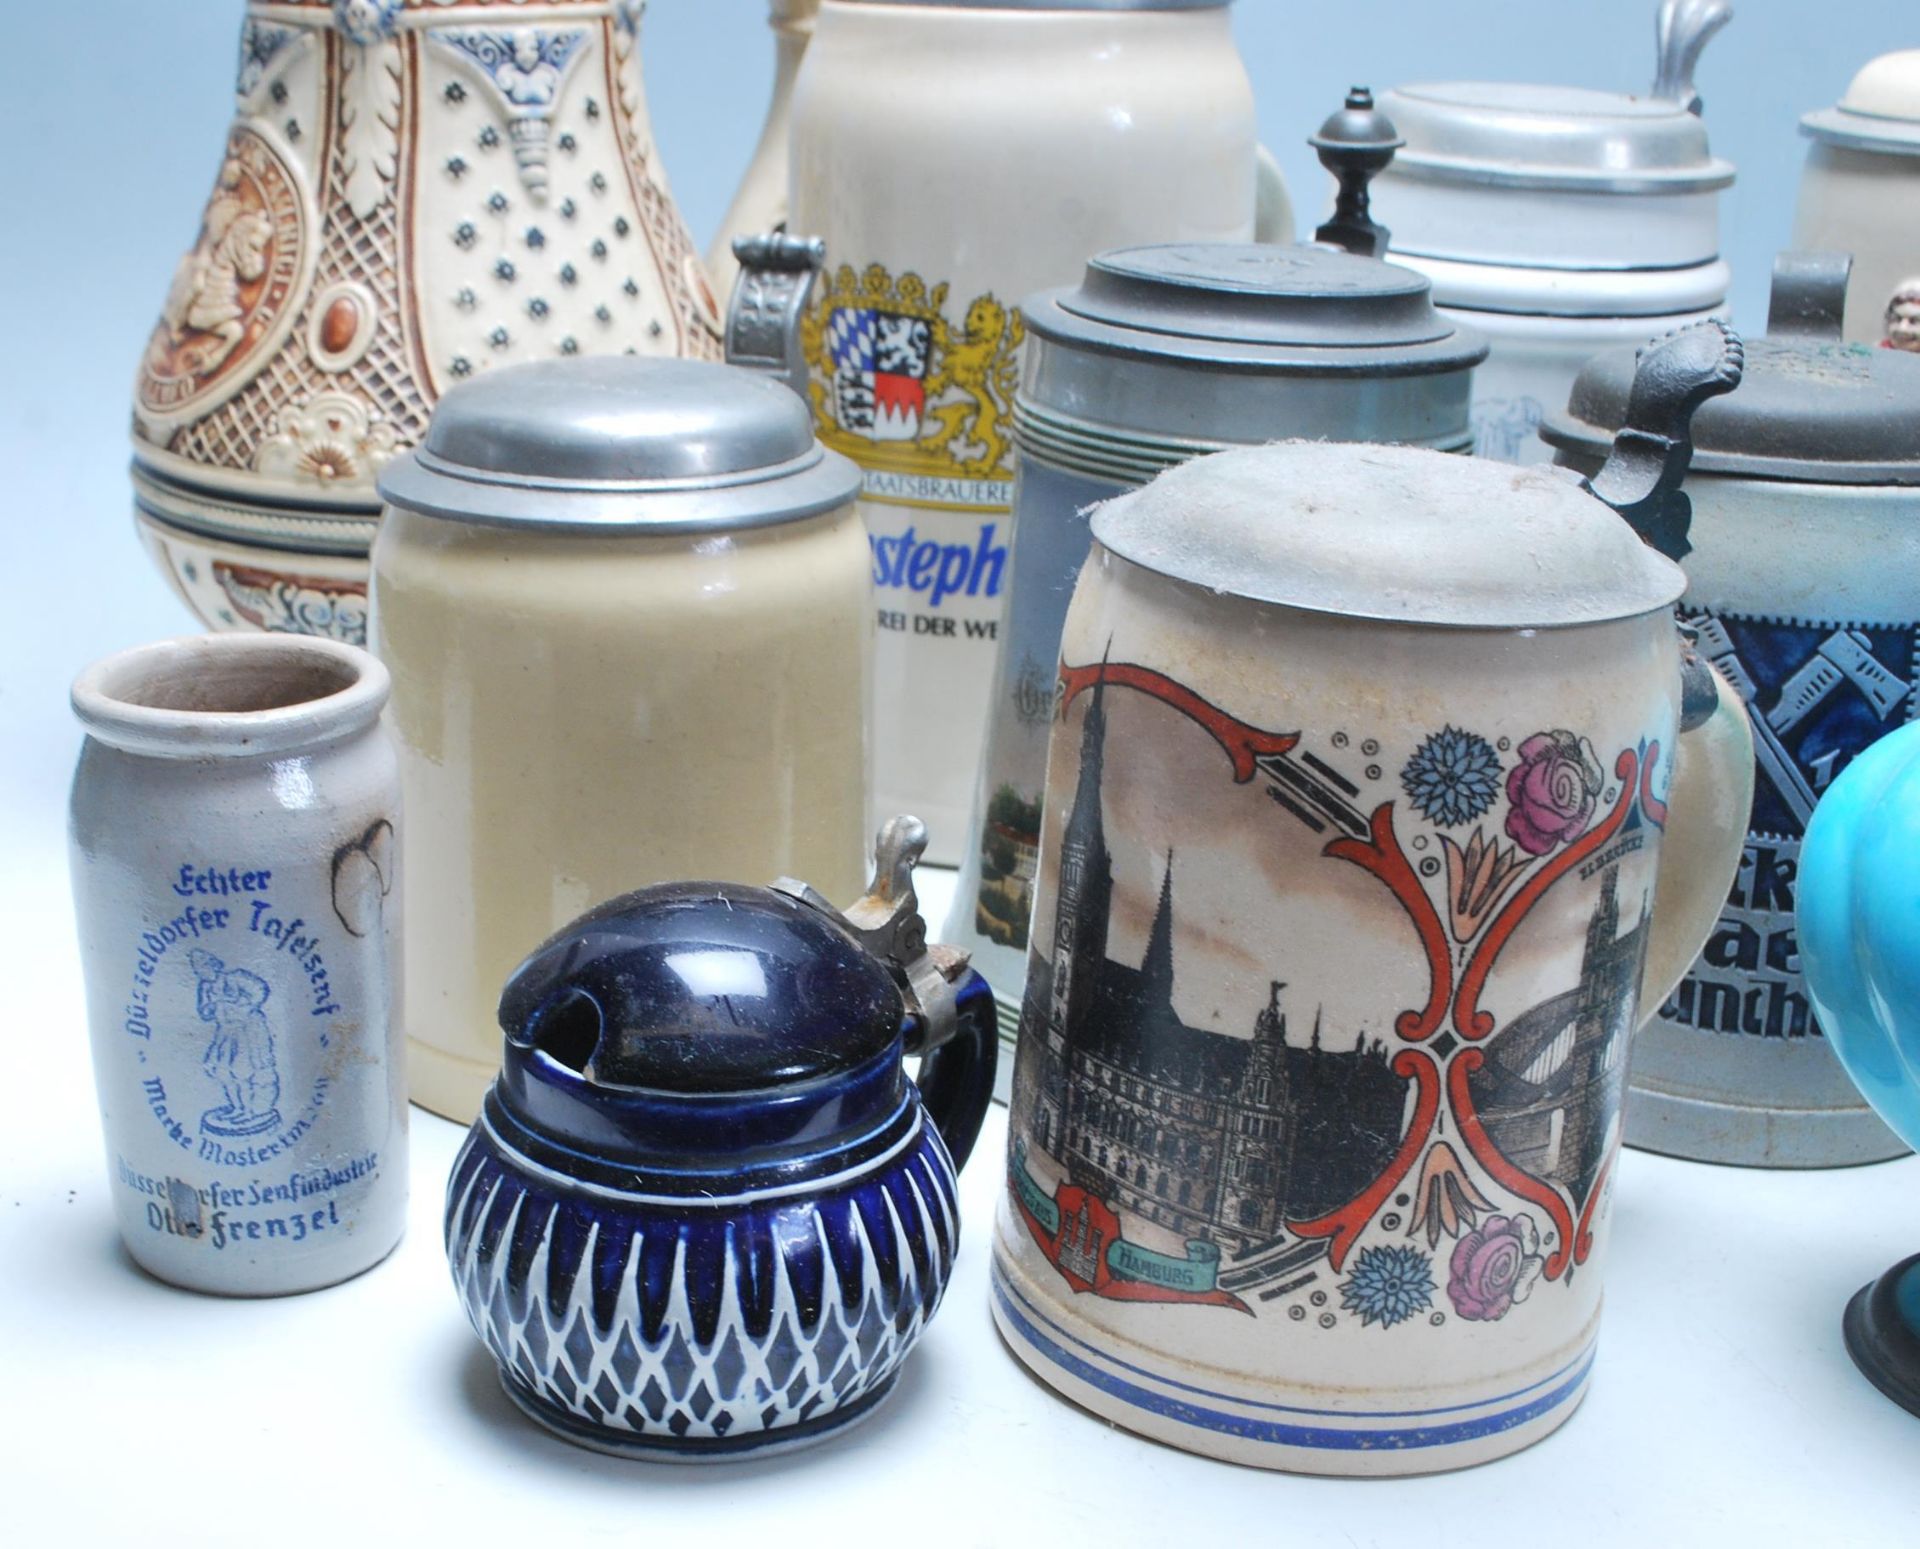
(1381, 802)
(411, 191)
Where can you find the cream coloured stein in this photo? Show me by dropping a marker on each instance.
(957, 158)
(625, 605)
(1381, 807)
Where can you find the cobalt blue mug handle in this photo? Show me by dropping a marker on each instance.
(1859, 934)
(956, 1077)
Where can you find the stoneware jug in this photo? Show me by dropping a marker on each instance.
(956, 158)
(412, 191)
(626, 607)
(1560, 221)
(1860, 194)
(1367, 763)
(235, 880)
(1803, 588)
(704, 1212)
(1860, 941)
(760, 202)
(1158, 355)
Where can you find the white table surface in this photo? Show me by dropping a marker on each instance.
(1724, 1409)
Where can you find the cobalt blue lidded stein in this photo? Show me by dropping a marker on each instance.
(704, 1211)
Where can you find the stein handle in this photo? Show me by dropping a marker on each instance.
(1708, 800)
(956, 1078)
(1272, 205)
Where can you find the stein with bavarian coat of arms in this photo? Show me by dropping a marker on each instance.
(1382, 804)
(957, 159)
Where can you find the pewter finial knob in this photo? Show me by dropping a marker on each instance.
(1355, 144)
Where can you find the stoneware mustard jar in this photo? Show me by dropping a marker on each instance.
(412, 192)
(704, 1212)
(1162, 354)
(1860, 939)
(236, 881)
(1860, 194)
(1560, 221)
(1803, 587)
(626, 607)
(1367, 763)
(956, 158)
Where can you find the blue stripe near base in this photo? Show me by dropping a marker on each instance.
(1280, 1433)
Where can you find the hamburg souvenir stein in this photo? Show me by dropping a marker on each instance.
(234, 878)
(626, 607)
(1860, 194)
(1860, 940)
(1559, 221)
(1162, 354)
(957, 158)
(1366, 763)
(704, 1212)
(1803, 587)
(412, 191)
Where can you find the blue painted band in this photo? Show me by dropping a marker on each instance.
(1288, 1433)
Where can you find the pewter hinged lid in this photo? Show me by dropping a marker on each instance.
(621, 444)
(1880, 111)
(1813, 408)
(1568, 138)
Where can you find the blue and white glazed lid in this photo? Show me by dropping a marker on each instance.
(1880, 111)
(620, 443)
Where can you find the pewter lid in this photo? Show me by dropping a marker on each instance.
(620, 443)
(1567, 138)
(1391, 533)
(1880, 111)
(1812, 408)
(1064, 5)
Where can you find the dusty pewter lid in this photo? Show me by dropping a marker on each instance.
(1567, 138)
(1064, 5)
(1391, 533)
(1880, 111)
(1237, 342)
(620, 443)
(1813, 408)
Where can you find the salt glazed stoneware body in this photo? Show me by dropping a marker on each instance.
(1804, 547)
(703, 1211)
(1368, 766)
(956, 159)
(411, 192)
(1860, 940)
(236, 876)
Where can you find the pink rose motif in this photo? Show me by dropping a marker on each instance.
(1552, 790)
(1493, 1267)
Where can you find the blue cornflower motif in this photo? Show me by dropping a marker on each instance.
(1452, 777)
(1388, 1285)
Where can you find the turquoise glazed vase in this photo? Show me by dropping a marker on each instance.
(1859, 926)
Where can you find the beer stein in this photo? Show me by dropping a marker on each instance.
(626, 608)
(1805, 490)
(1861, 948)
(704, 1212)
(1560, 221)
(412, 192)
(1161, 354)
(1860, 194)
(1382, 801)
(956, 158)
